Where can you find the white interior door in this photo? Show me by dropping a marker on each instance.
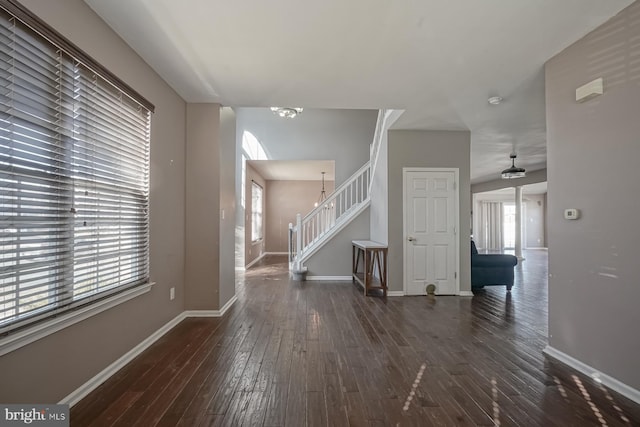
(430, 220)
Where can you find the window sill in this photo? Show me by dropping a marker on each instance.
(19, 339)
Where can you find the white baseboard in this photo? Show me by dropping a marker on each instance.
(465, 294)
(246, 267)
(211, 313)
(228, 304)
(329, 278)
(276, 253)
(604, 379)
(240, 269)
(86, 388)
(395, 293)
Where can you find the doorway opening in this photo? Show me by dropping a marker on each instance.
(509, 225)
(494, 219)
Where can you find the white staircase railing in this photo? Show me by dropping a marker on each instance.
(345, 202)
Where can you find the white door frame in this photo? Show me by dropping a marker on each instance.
(456, 210)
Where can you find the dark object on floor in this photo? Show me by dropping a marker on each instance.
(491, 269)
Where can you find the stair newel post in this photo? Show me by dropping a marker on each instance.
(298, 241)
(290, 246)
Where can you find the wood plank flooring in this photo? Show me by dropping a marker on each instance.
(319, 354)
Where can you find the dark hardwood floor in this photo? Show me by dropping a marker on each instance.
(318, 353)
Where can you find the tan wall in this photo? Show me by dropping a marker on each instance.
(285, 200)
(227, 205)
(51, 368)
(593, 150)
(253, 250)
(534, 221)
(202, 252)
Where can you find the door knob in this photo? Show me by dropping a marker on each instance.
(411, 239)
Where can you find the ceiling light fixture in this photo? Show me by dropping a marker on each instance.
(495, 100)
(513, 171)
(287, 112)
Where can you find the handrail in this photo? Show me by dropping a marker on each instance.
(330, 213)
(337, 191)
(333, 209)
(310, 231)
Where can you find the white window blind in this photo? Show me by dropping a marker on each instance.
(256, 212)
(74, 180)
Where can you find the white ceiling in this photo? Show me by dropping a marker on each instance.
(296, 170)
(437, 59)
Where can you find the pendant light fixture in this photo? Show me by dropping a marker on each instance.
(323, 194)
(513, 171)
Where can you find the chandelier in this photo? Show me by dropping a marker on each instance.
(323, 194)
(287, 112)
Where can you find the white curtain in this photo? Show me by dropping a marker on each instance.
(490, 226)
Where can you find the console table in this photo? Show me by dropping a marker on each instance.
(372, 254)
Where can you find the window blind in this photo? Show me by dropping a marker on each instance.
(74, 180)
(256, 212)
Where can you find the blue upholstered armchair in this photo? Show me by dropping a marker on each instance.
(491, 269)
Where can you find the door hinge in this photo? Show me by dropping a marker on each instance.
(455, 231)
(455, 275)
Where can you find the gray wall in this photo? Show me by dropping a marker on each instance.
(227, 203)
(593, 152)
(51, 368)
(334, 259)
(379, 226)
(546, 219)
(435, 149)
(286, 199)
(340, 135)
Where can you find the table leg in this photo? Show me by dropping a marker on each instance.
(367, 262)
(384, 270)
(354, 264)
